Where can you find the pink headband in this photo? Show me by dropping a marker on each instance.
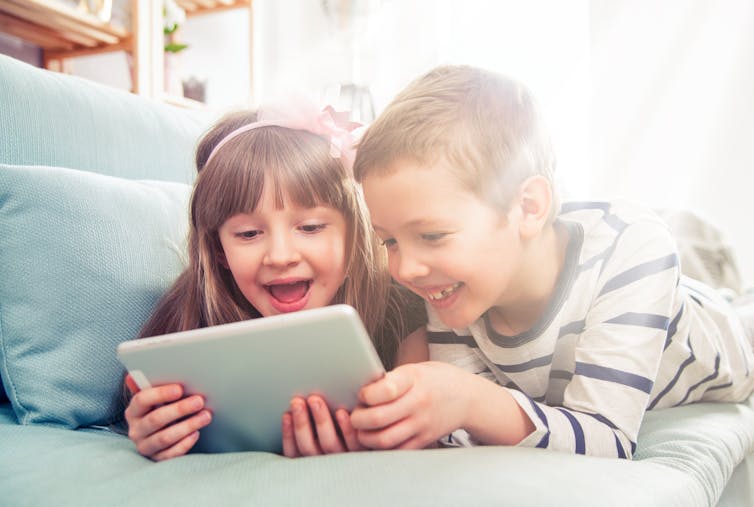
(304, 115)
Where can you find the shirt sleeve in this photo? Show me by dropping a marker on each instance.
(618, 352)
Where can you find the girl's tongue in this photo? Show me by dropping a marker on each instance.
(289, 292)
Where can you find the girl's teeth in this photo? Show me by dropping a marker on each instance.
(445, 292)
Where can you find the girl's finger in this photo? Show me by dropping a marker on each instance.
(303, 431)
(178, 449)
(163, 417)
(174, 436)
(327, 435)
(347, 430)
(131, 384)
(145, 400)
(290, 450)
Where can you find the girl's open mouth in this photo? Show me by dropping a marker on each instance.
(289, 297)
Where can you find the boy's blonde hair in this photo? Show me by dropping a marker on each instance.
(298, 166)
(486, 127)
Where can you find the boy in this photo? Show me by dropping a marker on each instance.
(549, 331)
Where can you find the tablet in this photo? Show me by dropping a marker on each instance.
(248, 371)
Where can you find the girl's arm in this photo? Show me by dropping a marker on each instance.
(413, 348)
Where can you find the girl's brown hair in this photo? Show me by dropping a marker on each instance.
(299, 167)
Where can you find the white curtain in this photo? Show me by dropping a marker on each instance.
(648, 100)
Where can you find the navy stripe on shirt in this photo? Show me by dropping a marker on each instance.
(561, 374)
(639, 272)
(528, 365)
(568, 207)
(545, 441)
(612, 375)
(641, 319)
(449, 337)
(578, 432)
(619, 447)
(673, 327)
(615, 223)
(674, 380)
(575, 327)
(711, 376)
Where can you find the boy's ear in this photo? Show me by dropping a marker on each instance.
(535, 201)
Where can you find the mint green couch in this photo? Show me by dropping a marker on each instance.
(93, 188)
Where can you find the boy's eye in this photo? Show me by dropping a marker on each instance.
(434, 236)
(251, 234)
(312, 228)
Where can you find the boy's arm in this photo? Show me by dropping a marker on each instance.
(616, 363)
(416, 404)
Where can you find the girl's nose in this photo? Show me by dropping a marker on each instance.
(281, 251)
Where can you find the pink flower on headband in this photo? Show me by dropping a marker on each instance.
(305, 115)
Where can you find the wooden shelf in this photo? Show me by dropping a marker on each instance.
(63, 31)
(55, 26)
(196, 7)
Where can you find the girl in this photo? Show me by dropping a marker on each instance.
(277, 224)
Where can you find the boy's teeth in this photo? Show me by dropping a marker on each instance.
(444, 293)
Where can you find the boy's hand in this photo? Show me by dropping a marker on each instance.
(309, 429)
(412, 406)
(161, 424)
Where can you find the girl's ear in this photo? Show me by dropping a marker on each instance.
(221, 258)
(535, 201)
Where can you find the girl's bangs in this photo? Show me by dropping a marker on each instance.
(297, 164)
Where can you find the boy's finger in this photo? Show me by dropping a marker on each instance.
(388, 438)
(391, 386)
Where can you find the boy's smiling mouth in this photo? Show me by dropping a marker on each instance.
(439, 295)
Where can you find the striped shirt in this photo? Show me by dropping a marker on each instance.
(624, 332)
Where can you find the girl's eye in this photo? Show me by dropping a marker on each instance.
(389, 242)
(248, 234)
(312, 228)
(435, 236)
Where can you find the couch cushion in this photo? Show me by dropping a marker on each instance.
(685, 456)
(56, 119)
(84, 259)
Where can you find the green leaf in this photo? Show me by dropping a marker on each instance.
(175, 47)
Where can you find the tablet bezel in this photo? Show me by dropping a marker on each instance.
(248, 371)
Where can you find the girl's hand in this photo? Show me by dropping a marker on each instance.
(413, 406)
(161, 423)
(309, 429)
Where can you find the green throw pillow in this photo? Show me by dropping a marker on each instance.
(83, 259)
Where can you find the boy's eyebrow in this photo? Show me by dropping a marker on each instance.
(418, 222)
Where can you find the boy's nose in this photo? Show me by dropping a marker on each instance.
(281, 252)
(410, 268)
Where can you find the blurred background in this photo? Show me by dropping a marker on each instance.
(646, 100)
